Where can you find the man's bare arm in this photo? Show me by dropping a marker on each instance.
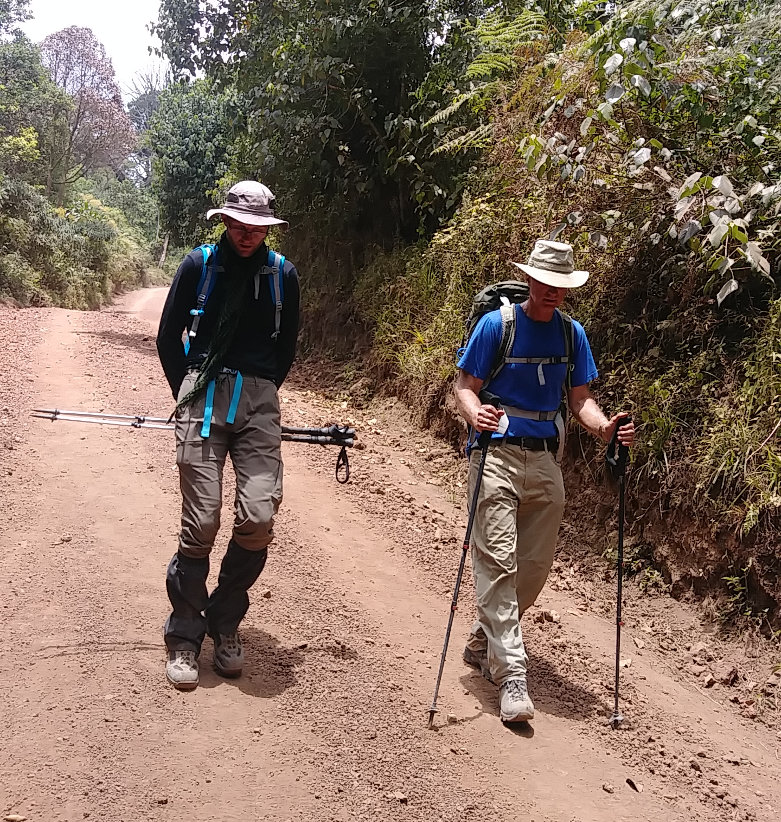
(467, 393)
(586, 411)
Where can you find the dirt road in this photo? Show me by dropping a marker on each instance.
(343, 637)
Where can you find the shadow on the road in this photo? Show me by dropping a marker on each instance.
(143, 343)
(523, 729)
(269, 668)
(488, 695)
(551, 692)
(554, 694)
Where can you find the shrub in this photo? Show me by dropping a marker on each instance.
(75, 257)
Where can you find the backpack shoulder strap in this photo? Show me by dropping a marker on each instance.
(276, 262)
(507, 312)
(205, 287)
(569, 345)
(567, 359)
(208, 267)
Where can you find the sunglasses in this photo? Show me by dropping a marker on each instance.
(252, 231)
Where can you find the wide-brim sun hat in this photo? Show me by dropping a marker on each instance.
(250, 203)
(553, 263)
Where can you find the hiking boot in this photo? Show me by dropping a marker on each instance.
(181, 670)
(228, 655)
(516, 706)
(478, 660)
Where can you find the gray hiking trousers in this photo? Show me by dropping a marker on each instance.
(253, 442)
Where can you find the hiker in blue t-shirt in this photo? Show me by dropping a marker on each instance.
(521, 498)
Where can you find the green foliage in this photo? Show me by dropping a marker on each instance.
(190, 134)
(709, 111)
(665, 143)
(739, 455)
(500, 43)
(33, 112)
(334, 102)
(76, 257)
(20, 151)
(419, 147)
(134, 205)
(651, 581)
(11, 13)
(738, 610)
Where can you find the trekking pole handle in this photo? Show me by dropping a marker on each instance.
(617, 453)
(486, 398)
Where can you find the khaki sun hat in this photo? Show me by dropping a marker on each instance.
(553, 263)
(250, 203)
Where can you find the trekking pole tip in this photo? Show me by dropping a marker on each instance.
(615, 720)
(431, 714)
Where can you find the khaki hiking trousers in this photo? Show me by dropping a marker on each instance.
(254, 444)
(514, 535)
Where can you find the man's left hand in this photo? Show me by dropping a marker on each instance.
(626, 433)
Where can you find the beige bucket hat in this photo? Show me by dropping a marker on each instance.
(249, 202)
(553, 263)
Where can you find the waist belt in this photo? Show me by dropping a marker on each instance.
(208, 408)
(534, 443)
(541, 416)
(196, 368)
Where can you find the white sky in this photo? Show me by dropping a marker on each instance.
(121, 27)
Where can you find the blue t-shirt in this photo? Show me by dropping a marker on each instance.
(518, 383)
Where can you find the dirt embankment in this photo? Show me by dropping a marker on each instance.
(343, 638)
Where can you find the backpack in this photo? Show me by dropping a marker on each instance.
(274, 268)
(504, 296)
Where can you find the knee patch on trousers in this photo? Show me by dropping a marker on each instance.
(257, 539)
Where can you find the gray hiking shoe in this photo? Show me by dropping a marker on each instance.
(478, 660)
(516, 706)
(228, 655)
(181, 670)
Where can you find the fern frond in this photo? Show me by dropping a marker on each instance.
(497, 33)
(446, 113)
(490, 64)
(477, 138)
(479, 92)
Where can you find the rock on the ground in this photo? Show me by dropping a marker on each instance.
(726, 673)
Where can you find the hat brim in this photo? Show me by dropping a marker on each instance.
(245, 217)
(554, 278)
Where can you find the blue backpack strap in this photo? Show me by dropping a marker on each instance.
(276, 262)
(208, 410)
(231, 418)
(205, 286)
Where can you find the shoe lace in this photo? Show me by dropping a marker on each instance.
(185, 657)
(231, 643)
(516, 688)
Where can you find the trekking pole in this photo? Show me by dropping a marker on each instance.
(483, 442)
(615, 458)
(340, 435)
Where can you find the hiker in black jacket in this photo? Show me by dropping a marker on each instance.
(238, 302)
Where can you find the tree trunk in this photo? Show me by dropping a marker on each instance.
(164, 252)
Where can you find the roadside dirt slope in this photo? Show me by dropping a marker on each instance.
(343, 638)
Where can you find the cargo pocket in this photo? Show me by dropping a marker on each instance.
(191, 447)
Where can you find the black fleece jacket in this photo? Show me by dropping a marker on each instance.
(253, 351)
